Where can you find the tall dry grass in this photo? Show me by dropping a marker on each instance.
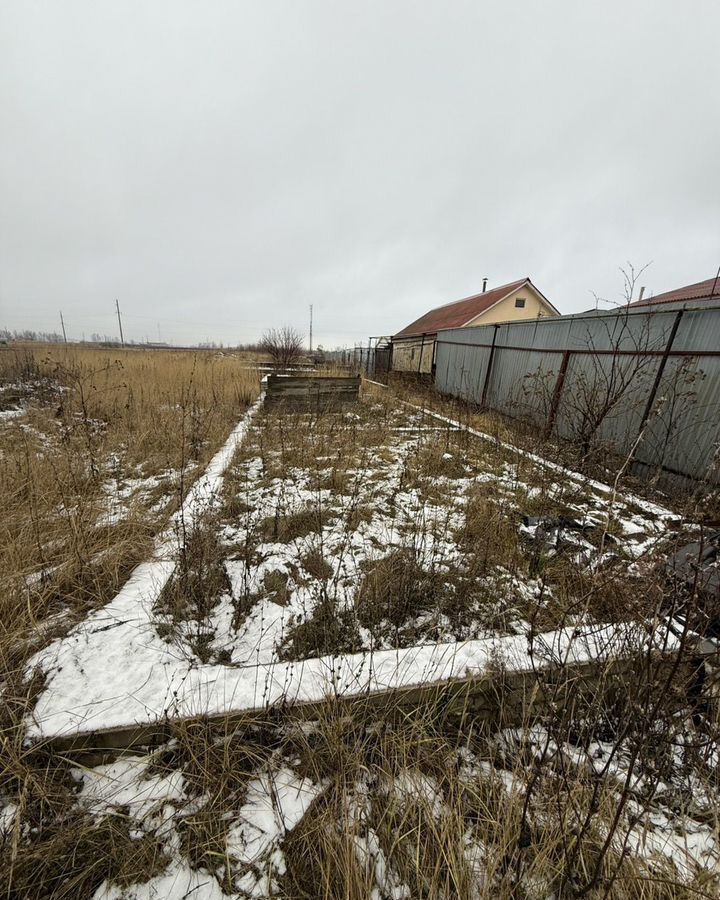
(454, 808)
(697, 499)
(98, 422)
(423, 802)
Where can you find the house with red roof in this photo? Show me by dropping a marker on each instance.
(701, 293)
(413, 348)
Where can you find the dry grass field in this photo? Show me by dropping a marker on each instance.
(372, 529)
(98, 446)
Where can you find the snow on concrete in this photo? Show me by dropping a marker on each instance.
(177, 882)
(114, 670)
(125, 675)
(117, 650)
(647, 506)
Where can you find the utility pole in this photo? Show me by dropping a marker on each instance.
(62, 322)
(122, 339)
(311, 306)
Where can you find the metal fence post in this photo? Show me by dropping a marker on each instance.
(658, 378)
(483, 398)
(557, 393)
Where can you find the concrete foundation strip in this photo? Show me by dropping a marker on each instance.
(578, 477)
(160, 568)
(497, 677)
(502, 680)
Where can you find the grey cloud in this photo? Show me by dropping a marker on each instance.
(220, 166)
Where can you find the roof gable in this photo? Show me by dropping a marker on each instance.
(460, 312)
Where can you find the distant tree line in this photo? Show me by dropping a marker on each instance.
(283, 345)
(48, 337)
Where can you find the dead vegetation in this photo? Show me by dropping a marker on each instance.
(108, 444)
(387, 529)
(582, 800)
(426, 802)
(100, 447)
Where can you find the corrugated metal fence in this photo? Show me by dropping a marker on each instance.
(645, 382)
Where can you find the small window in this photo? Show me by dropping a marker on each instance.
(519, 303)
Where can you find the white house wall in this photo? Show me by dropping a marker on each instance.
(506, 311)
(413, 355)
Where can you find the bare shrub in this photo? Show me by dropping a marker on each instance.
(283, 345)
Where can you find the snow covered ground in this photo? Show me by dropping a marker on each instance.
(315, 520)
(315, 527)
(257, 844)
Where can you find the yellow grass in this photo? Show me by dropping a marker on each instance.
(97, 423)
(134, 414)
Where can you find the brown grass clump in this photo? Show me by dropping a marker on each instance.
(437, 461)
(357, 515)
(73, 858)
(402, 603)
(198, 583)
(329, 629)
(276, 588)
(490, 533)
(286, 527)
(395, 589)
(317, 566)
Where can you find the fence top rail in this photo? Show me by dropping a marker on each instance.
(582, 351)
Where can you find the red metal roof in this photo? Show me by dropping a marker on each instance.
(701, 290)
(459, 312)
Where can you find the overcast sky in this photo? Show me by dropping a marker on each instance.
(218, 166)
